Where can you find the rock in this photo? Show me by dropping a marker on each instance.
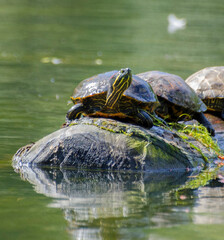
(97, 143)
(218, 124)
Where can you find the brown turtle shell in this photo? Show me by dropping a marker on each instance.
(139, 90)
(174, 89)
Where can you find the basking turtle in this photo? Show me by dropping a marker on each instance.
(115, 94)
(208, 83)
(176, 98)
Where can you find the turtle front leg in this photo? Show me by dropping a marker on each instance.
(159, 119)
(200, 117)
(75, 112)
(222, 114)
(143, 119)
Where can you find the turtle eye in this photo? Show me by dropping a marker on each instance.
(122, 70)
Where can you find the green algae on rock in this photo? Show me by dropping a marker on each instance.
(97, 143)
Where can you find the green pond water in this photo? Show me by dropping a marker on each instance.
(46, 48)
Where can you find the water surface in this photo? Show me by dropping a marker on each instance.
(46, 48)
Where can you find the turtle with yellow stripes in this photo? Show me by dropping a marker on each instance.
(115, 94)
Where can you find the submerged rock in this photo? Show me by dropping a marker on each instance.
(96, 143)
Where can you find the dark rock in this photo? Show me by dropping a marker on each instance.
(93, 143)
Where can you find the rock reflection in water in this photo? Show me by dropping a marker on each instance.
(105, 205)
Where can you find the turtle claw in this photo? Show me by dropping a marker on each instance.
(211, 130)
(160, 120)
(200, 117)
(74, 112)
(144, 119)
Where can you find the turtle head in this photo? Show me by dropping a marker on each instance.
(118, 83)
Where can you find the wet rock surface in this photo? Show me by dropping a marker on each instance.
(92, 143)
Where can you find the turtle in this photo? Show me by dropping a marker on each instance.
(208, 83)
(177, 99)
(116, 94)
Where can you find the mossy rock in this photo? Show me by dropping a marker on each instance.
(96, 143)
